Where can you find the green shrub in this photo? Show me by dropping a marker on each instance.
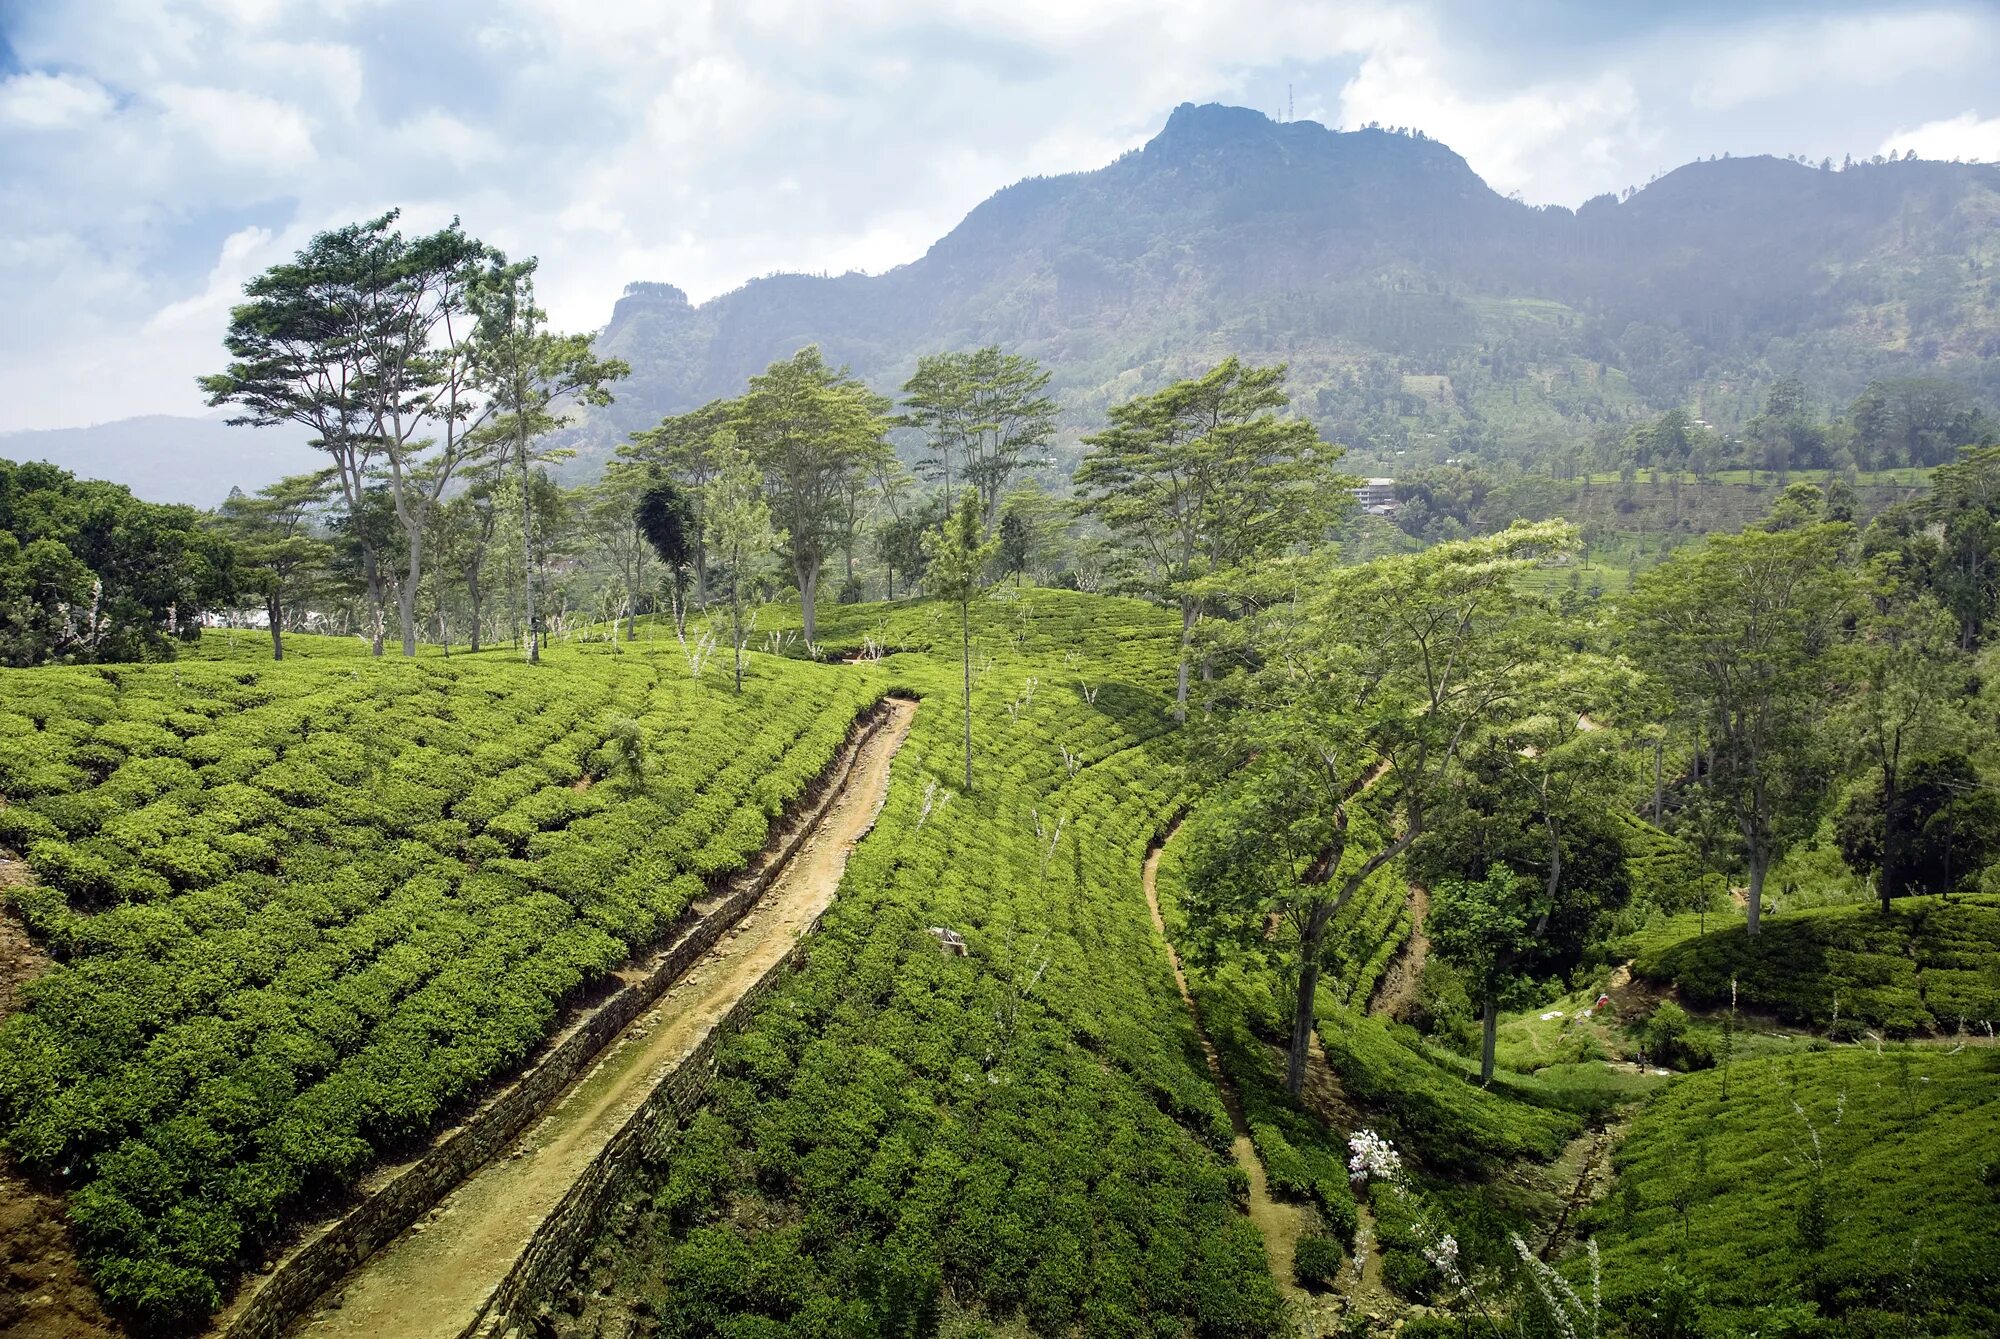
(1316, 1260)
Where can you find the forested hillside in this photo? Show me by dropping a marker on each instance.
(1420, 310)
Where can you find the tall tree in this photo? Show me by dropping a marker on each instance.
(418, 321)
(1904, 676)
(666, 517)
(1205, 477)
(277, 551)
(527, 371)
(301, 355)
(739, 529)
(989, 409)
(1485, 929)
(810, 429)
(1743, 629)
(957, 575)
(1538, 776)
(685, 447)
(613, 516)
(1370, 681)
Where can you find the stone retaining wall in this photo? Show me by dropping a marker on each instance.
(271, 1303)
(558, 1244)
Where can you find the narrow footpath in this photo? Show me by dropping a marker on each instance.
(1397, 990)
(432, 1281)
(1280, 1224)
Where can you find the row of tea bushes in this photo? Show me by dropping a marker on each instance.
(1847, 1191)
(1026, 1132)
(1931, 965)
(308, 910)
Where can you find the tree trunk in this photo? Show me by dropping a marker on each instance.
(1891, 881)
(528, 557)
(1489, 1028)
(1305, 1006)
(275, 611)
(472, 593)
(736, 628)
(406, 598)
(371, 569)
(1187, 638)
(1659, 747)
(700, 570)
(809, 599)
(1759, 862)
(965, 655)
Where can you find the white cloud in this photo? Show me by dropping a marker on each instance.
(1852, 50)
(1550, 140)
(704, 142)
(38, 101)
(1963, 136)
(240, 129)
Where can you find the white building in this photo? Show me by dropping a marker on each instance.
(1376, 496)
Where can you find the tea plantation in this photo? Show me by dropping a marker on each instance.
(904, 1136)
(305, 911)
(1855, 1188)
(1931, 965)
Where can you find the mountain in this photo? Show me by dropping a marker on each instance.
(1419, 308)
(168, 458)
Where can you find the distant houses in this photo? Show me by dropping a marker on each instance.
(1376, 496)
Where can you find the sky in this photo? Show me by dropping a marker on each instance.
(154, 154)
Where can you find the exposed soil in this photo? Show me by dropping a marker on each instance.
(432, 1280)
(44, 1293)
(1396, 992)
(1281, 1225)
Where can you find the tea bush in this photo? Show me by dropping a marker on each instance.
(306, 910)
(1028, 1131)
(1929, 964)
(1848, 1184)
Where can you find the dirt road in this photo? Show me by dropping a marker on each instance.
(432, 1280)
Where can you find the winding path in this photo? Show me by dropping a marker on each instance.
(1280, 1224)
(432, 1281)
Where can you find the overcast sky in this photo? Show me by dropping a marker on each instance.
(155, 153)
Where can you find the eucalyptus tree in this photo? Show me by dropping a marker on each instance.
(526, 371)
(1905, 677)
(1205, 478)
(1367, 685)
(686, 447)
(423, 399)
(810, 429)
(990, 409)
(739, 529)
(1743, 629)
(613, 515)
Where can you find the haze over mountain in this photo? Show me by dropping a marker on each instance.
(1422, 312)
(168, 457)
(1402, 289)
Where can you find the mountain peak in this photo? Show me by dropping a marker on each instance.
(1211, 124)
